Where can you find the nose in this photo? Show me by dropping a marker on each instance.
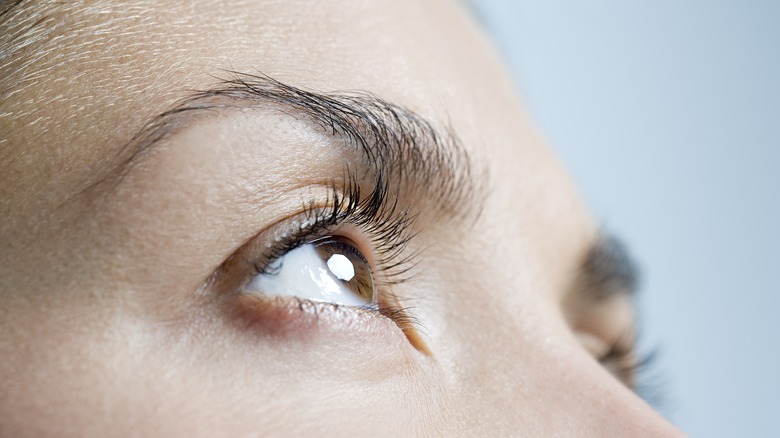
(519, 370)
(594, 403)
(550, 386)
(550, 391)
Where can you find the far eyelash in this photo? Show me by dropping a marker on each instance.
(642, 369)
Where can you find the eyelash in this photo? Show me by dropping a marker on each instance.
(638, 370)
(387, 227)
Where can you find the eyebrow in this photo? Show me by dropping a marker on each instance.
(6, 7)
(607, 270)
(404, 151)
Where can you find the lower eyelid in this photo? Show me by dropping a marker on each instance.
(295, 318)
(355, 341)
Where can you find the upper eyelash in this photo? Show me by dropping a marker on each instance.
(388, 227)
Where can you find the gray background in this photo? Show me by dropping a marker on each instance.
(668, 115)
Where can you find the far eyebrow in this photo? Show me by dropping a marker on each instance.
(396, 143)
(608, 269)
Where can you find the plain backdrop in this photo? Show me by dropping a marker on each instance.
(667, 113)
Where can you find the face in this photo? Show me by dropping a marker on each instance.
(282, 218)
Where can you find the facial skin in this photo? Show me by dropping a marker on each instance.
(124, 262)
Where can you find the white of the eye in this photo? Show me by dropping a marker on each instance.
(304, 274)
(341, 267)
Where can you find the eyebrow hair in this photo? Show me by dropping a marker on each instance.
(608, 269)
(7, 5)
(404, 151)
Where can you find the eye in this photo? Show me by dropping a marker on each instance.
(286, 276)
(331, 269)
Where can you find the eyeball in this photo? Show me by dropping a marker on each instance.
(330, 269)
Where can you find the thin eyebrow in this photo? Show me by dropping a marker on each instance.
(398, 146)
(608, 269)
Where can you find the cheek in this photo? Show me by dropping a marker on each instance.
(86, 370)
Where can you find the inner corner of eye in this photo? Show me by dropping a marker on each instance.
(331, 269)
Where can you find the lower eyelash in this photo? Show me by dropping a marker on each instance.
(287, 315)
(649, 380)
(640, 372)
(291, 317)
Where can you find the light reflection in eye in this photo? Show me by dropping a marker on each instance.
(331, 269)
(341, 267)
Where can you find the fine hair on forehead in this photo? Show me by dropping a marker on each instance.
(76, 58)
(37, 36)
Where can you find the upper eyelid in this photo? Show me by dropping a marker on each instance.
(358, 212)
(388, 230)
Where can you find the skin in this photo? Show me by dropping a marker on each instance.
(106, 325)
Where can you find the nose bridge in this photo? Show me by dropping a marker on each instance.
(522, 372)
(587, 398)
(544, 389)
(549, 397)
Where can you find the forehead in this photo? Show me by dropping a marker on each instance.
(88, 57)
(81, 78)
(89, 74)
